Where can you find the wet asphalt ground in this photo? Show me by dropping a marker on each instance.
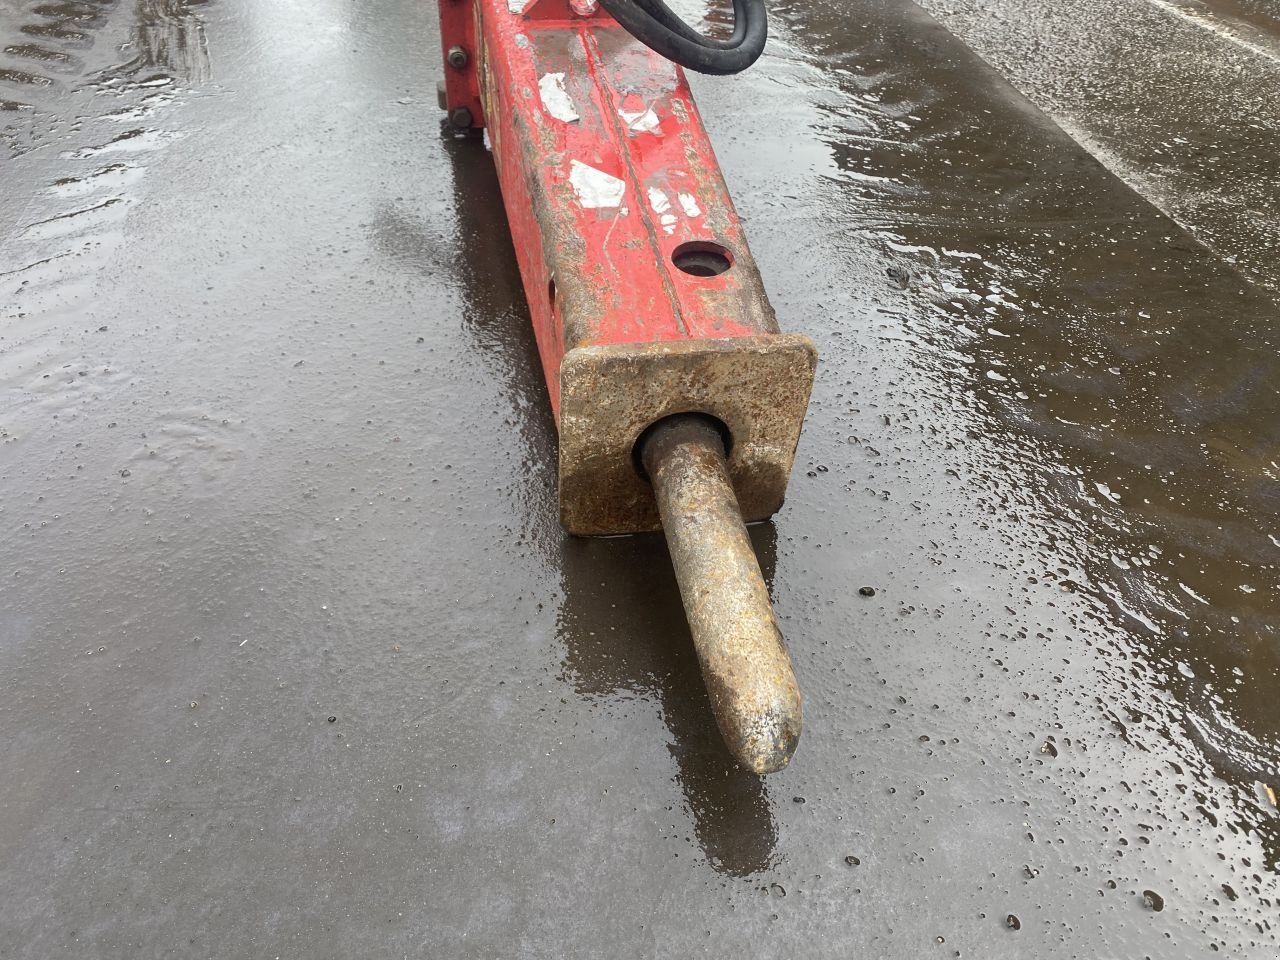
(295, 660)
(1180, 98)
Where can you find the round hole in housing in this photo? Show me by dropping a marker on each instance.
(702, 259)
(637, 448)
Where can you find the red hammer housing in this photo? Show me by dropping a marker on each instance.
(679, 403)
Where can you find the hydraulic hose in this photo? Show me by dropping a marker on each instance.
(655, 25)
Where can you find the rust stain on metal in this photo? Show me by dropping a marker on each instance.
(745, 665)
(758, 387)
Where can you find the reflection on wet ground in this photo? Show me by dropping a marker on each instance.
(289, 631)
(1262, 14)
(1179, 97)
(625, 636)
(1132, 376)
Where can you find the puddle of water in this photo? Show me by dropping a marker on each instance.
(1202, 156)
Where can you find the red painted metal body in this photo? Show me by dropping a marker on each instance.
(643, 294)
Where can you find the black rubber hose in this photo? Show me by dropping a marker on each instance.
(655, 25)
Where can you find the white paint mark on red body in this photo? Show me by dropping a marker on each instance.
(595, 188)
(643, 121)
(556, 99)
(689, 204)
(661, 205)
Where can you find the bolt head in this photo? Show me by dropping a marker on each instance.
(457, 57)
(461, 118)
